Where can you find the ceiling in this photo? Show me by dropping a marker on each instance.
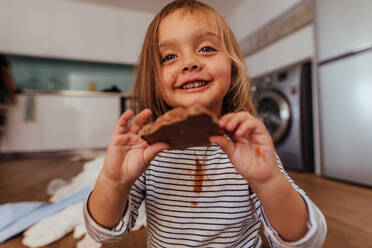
(222, 6)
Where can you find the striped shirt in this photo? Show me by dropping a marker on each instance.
(196, 198)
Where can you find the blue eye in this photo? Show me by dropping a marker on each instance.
(167, 58)
(207, 49)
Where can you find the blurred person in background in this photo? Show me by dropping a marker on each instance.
(8, 90)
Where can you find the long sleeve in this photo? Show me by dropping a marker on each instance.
(127, 222)
(317, 227)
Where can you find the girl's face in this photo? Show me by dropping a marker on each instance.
(194, 67)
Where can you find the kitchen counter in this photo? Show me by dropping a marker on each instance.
(43, 121)
(74, 93)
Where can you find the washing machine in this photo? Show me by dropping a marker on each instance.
(283, 100)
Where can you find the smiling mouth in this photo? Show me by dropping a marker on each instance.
(194, 85)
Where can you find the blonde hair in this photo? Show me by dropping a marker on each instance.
(146, 94)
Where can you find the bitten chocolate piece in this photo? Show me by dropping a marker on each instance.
(182, 128)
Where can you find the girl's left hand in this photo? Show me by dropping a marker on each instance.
(250, 148)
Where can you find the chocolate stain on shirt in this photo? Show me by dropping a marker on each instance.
(199, 175)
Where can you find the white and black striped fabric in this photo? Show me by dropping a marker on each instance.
(195, 198)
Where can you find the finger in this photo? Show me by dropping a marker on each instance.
(226, 144)
(138, 121)
(235, 122)
(224, 119)
(151, 151)
(246, 127)
(124, 139)
(253, 132)
(121, 124)
(119, 140)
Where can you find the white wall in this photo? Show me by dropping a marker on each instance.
(251, 15)
(288, 50)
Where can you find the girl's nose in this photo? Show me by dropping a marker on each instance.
(191, 65)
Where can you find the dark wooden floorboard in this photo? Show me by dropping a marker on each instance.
(348, 208)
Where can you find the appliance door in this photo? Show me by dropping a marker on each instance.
(345, 100)
(342, 27)
(274, 111)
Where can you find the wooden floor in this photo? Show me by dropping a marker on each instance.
(348, 208)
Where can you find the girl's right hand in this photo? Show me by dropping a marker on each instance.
(127, 155)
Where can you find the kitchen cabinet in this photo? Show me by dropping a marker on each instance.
(29, 25)
(72, 30)
(354, 32)
(69, 32)
(4, 24)
(346, 118)
(21, 135)
(344, 58)
(103, 33)
(133, 43)
(59, 122)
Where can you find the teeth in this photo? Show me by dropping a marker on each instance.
(193, 85)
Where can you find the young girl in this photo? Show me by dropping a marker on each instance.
(200, 196)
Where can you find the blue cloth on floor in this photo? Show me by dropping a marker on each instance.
(20, 222)
(12, 211)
